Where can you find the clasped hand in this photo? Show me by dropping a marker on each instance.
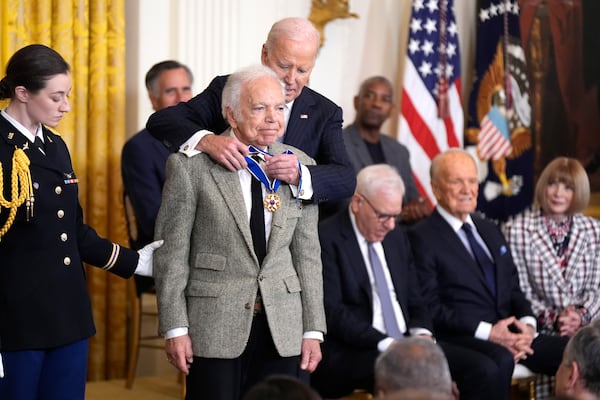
(515, 336)
(568, 321)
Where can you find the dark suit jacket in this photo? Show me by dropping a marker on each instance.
(452, 283)
(348, 297)
(143, 163)
(44, 302)
(395, 154)
(315, 127)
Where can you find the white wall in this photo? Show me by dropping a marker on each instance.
(216, 37)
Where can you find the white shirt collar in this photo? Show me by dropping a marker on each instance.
(22, 128)
(454, 222)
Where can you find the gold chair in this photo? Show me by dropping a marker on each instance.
(136, 313)
(523, 383)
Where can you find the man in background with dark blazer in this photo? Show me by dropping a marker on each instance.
(355, 302)
(239, 281)
(313, 122)
(367, 145)
(143, 158)
(469, 280)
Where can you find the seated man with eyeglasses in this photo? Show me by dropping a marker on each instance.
(371, 292)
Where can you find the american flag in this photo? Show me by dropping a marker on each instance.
(431, 115)
(499, 101)
(494, 137)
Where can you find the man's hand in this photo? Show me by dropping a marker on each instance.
(415, 210)
(517, 343)
(179, 352)
(522, 346)
(568, 322)
(283, 167)
(311, 354)
(226, 150)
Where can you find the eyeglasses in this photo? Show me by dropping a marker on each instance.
(381, 217)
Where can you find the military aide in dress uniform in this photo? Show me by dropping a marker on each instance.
(45, 310)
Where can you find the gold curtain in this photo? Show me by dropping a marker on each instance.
(90, 35)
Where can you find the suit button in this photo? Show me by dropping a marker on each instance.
(67, 261)
(60, 213)
(260, 278)
(58, 190)
(247, 306)
(63, 237)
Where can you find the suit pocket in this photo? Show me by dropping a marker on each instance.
(292, 284)
(214, 262)
(204, 289)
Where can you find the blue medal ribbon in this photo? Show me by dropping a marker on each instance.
(255, 169)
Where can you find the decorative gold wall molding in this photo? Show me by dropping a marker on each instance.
(325, 11)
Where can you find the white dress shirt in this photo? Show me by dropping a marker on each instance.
(378, 322)
(484, 328)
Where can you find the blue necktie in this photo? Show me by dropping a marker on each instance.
(389, 317)
(484, 262)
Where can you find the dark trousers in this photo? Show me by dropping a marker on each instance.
(480, 371)
(230, 379)
(497, 361)
(344, 369)
(53, 374)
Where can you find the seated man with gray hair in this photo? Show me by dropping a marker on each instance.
(578, 375)
(413, 366)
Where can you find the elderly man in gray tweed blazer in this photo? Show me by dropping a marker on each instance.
(230, 318)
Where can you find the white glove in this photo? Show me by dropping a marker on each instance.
(1, 367)
(144, 266)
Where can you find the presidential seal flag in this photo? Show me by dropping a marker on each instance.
(498, 128)
(431, 118)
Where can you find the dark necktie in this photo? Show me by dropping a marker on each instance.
(39, 144)
(257, 221)
(389, 317)
(484, 262)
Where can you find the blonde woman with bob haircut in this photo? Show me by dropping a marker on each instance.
(557, 250)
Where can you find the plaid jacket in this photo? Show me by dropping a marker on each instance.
(549, 287)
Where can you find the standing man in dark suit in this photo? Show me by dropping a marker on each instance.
(313, 122)
(357, 302)
(469, 280)
(239, 284)
(367, 145)
(143, 158)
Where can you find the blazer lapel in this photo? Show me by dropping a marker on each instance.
(578, 242)
(456, 246)
(295, 134)
(541, 245)
(398, 274)
(354, 256)
(496, 250)
(229, 187)
(353, 135)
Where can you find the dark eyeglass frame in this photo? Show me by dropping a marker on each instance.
(381, 217)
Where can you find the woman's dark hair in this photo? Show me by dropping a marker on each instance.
(31, 67)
